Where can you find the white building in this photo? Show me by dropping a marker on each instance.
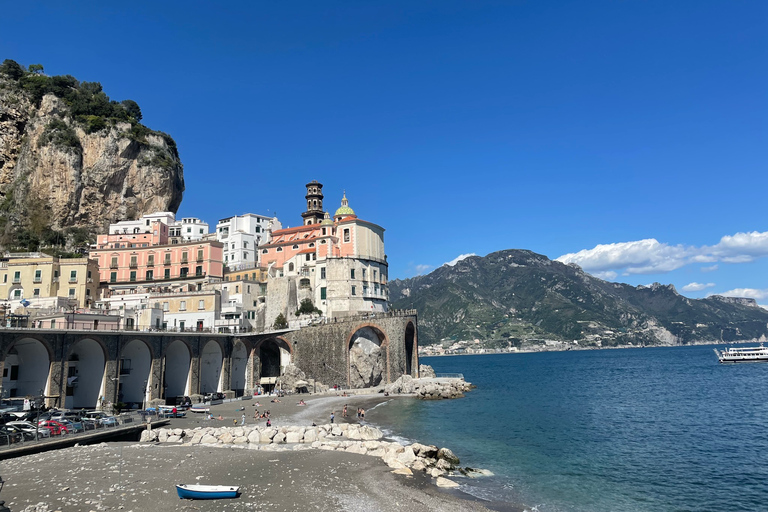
(242, 235)
(143, 224)
(188, 229)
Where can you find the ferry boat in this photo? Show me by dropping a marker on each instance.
(743, 354)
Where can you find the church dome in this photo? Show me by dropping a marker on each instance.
(327, 221)
(344, 210)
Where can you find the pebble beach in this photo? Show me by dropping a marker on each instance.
(142, 476)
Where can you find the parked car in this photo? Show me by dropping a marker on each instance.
(73, 426)
(103, 418)
(55, 427)
(30, 427)
(90, 424)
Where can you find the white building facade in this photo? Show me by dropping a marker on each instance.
(242, 235)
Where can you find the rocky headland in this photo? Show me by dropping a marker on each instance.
(72, 158)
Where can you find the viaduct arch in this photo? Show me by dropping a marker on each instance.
(86, 369)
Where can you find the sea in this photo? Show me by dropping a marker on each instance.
(646, 429)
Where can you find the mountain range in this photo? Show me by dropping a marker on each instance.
(517, 298)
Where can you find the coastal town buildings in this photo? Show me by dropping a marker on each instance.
(338, 263)
(41, 281)
(241, 236)
(130, 267)
(188, 229)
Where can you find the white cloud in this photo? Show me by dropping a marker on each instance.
(420, 269)
(711, 268)
(697, 287)
(649, 256)
(458, 259)
(751, 293)
(608, 275)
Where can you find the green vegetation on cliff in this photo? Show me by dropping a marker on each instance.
(87, 101)
(72, 160)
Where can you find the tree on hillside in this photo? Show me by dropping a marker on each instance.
(11, 69)
(280, 322)
(36, 69)
(132, 108)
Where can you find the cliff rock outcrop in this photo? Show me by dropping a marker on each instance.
(61, 168)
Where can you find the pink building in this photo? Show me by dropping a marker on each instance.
(134, 261)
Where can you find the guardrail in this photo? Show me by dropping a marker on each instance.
(449, 376)
(128, 419)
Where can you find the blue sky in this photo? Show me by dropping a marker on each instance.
(628, 137)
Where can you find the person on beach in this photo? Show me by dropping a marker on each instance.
(332, 416)
(362, 414)
(242, 420)
(220, 418)
(344, 412)
(269, 423)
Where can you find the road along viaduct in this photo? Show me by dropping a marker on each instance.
(81, 368)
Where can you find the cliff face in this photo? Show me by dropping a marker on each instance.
(57, 174)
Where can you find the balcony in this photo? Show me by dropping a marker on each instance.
(150, 263)
(55, 279)
(113, 265)
(72, 280)
(16, 280)
(167, 262)
(133, 264)
(37, 280)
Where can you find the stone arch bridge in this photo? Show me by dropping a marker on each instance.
(80, 368)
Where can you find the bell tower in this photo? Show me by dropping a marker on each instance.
(314, 197)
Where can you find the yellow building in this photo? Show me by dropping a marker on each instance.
(46, 281)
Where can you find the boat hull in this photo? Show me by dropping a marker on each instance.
(207, 492)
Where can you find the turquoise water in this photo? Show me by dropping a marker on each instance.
(612, 430)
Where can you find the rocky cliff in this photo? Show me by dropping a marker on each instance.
(70, 157)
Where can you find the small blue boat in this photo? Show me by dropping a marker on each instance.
(207, 492)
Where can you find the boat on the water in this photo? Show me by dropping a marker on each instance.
(743, 354)
(207, 492)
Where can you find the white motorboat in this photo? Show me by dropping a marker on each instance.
(743, 354)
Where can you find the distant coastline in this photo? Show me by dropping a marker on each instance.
(486, 352)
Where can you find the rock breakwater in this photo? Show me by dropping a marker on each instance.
(429, 389)
(343, 437)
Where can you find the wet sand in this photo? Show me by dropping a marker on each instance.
(141, 477)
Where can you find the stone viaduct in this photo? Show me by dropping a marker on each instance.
(80, 368)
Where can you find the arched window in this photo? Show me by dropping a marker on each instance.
(295, 247)
(290, 267)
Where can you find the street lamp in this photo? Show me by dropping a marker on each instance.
(37, 423)
(144, 400)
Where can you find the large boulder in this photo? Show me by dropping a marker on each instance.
(426, 371)
(448, 456)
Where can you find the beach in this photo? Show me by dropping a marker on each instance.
(132, 476)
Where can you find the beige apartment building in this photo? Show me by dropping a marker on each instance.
(43, 281)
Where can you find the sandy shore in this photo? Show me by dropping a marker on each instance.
(134, 477)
